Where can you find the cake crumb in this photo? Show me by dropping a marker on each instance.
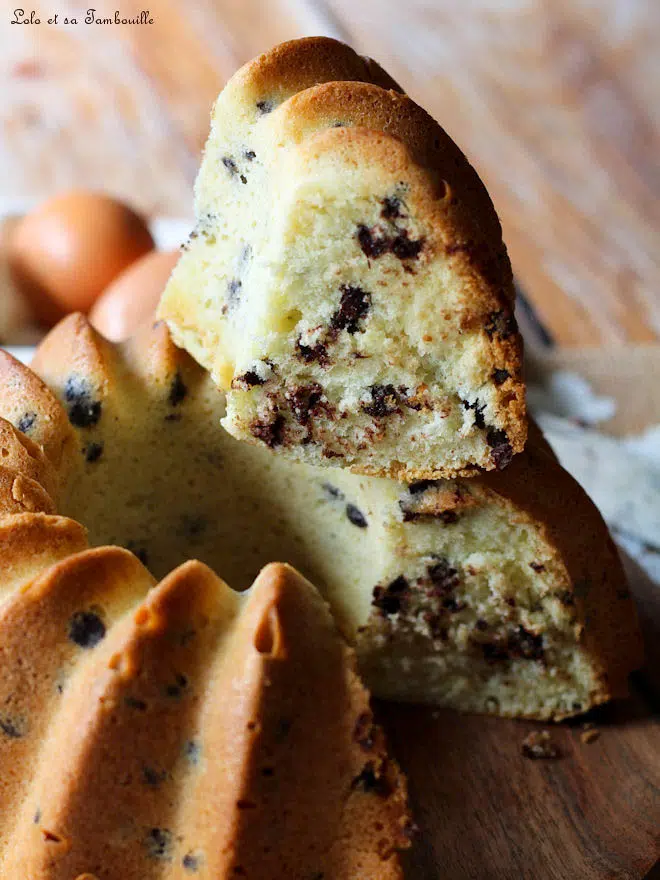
(538, 744)
(590, 734)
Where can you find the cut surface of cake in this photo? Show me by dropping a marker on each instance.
(346, 283)
(175, 730)
(501, 593)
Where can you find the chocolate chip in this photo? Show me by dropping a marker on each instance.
(175, 689)
(270, 429)
(500, 376)
(178, 390)
(384, 401)
(192, 525)
(390, 599)
(86, 629)
(502, 452)
(356, 516)
(421, 486)
(481, 625)
(312, 353)
(83, 410)
(502, 323)
(372, 245)
(158, 843)
(153, 777)
(92, 452)
(233, 292)
(247, 380)
(265, 107)
(192, 862)
(134, 703)
(406, 248)
(375, 242)
(519, 644)
(353, 306)
(26, 422)
(391, 208)
(332, 491)
(203, 227)
(373, 783)
(10, 728)
(250, 155)
(306, 402)
(442, 576)
(245, 256)
(478, 412)
(192, 751)
(537, 566)
(448, 517)
(232, 168)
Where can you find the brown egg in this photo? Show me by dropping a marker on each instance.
(65, 253)
(132, 298)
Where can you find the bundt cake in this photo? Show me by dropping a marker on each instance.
(175, 730)
(501, 593)
(346, 282)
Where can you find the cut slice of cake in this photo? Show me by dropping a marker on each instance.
(346, 282)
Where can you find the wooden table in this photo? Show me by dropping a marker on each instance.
(557, 103)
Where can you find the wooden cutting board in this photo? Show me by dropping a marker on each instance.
(486, 812)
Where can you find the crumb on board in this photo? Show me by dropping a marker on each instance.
(539, 744)
(589, 734)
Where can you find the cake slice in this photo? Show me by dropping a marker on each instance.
(346, 282)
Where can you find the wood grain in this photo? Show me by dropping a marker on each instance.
(557, 103)
(486, 812)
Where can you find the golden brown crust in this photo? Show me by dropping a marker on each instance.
(101, 584)
(134, 711)
(288, 649)
(31, 542)
(21, 454)
(299, 64)
(20, 494)
(73, 348)
(32, 408)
